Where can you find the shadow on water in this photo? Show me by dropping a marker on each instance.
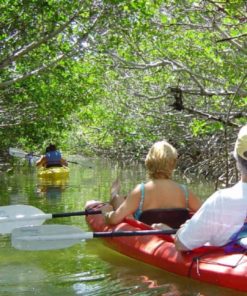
(88, 268)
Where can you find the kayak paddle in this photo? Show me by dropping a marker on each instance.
(18, 153)
(22, 154)
(56, 236)
(14, 216)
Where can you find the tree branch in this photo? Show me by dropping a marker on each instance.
(16, 55)
(31, 73)
(231, 38)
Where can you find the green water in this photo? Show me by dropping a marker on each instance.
(88, 268)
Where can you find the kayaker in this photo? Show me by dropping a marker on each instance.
(52, 158)
(223, 214)
(159, 193)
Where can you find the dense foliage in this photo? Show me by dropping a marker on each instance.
(112, 77)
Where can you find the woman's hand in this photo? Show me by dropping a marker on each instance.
(106, 208)
(161, 226)
(107, 211)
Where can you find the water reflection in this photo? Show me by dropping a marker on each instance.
(18, 283)
(130, 277)
(51, 189)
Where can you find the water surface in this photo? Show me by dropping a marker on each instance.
(88, 268)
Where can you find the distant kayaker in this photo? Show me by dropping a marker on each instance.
(159, 193)
(223, 214)
(52, 158)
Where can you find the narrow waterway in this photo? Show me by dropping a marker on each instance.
(87, 268)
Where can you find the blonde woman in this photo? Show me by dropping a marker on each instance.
(150, 202)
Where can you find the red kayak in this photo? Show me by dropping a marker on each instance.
(206, 264)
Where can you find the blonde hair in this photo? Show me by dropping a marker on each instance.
(161, 160)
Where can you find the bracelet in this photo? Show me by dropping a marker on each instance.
(107, 216)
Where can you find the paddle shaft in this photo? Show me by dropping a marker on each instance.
(19, 153)
(77, 237)
(80, 213)
(69, 161)
(134, 233)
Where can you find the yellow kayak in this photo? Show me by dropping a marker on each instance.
(53, 173)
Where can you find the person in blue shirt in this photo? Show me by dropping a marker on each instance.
(52, 158)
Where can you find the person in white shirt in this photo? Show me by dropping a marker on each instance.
(223, 213)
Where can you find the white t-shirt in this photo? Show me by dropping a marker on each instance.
(221, 215)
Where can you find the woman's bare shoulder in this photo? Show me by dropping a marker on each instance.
(136, 189)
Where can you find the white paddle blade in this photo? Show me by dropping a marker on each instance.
(47, 237)
(22, 154)
(15, 216)
(17, 152)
